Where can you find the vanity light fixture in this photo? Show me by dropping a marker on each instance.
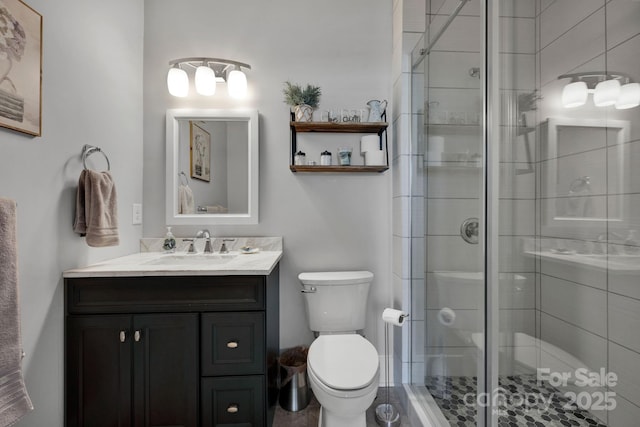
(208, 73)
(608, 89)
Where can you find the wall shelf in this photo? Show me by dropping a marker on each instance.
(378, 128)
(336, 168)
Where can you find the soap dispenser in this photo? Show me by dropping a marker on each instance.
(169, 245)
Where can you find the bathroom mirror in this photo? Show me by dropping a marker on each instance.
(212, 167)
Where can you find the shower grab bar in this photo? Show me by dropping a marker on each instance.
(425, 52)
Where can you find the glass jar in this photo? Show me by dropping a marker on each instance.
(300, 159)
(325, 158)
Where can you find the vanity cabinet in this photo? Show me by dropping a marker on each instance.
(129, 372)
(171, 350)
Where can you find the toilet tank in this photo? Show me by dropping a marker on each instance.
(336, 301)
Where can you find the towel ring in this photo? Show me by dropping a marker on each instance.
(183, 175)
(88, 150)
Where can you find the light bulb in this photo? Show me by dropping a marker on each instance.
(205, 81)
(574, 94)
(629, 96)
(237, 84)
(178, 82)
(606, 93)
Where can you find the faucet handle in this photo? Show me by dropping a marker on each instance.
(223, 248)
(192, 248)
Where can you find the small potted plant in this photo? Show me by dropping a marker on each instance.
(303, 101)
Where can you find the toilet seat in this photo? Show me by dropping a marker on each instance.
(343, 362)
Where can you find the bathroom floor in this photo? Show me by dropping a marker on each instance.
(451, 394)
(308, 417)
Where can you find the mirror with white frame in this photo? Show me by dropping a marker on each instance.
(212, 167)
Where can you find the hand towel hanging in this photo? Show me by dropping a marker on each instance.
(96, 209)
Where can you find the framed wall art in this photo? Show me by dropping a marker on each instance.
(20, 67)
(200, 148)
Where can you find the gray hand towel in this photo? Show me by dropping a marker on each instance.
(97, 209)
(14, 399)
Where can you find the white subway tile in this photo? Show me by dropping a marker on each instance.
(594, 277)
(445, 216)
(563, 15)
(623, 21)
(624, 363)
(450, 253)
(582, 43)
(580, 305)
(572, 342)
(517, 217)
(626, 413)
(624, 321)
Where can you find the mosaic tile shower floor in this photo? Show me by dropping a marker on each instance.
(449, 393)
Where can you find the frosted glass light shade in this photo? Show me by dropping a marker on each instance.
(237, 84)
(606, 93)
(205, 81)
(178, 82)
(574, 94)
(629, 96)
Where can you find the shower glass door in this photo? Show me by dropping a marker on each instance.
(525, 212)
(447, 211)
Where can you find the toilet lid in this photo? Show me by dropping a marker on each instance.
(343, 362)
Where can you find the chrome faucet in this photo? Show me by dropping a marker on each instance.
(204, 234)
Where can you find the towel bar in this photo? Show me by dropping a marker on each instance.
(88, 150)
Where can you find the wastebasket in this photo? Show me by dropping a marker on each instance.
(294, 385)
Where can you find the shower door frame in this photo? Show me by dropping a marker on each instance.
(490, 52)
(487, 415)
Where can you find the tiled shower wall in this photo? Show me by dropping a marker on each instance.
(590, 312)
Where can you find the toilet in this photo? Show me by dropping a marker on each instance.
(342, 366)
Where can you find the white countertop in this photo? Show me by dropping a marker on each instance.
(181, 264)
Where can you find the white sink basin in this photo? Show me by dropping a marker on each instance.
(192, 259)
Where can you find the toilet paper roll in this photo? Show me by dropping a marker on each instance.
(368, 143)
(436, 144)
(374, 158)
(447, 316)
(394, 317)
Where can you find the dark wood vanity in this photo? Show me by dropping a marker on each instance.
(173, 351)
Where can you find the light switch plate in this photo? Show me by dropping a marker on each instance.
(137, 214)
